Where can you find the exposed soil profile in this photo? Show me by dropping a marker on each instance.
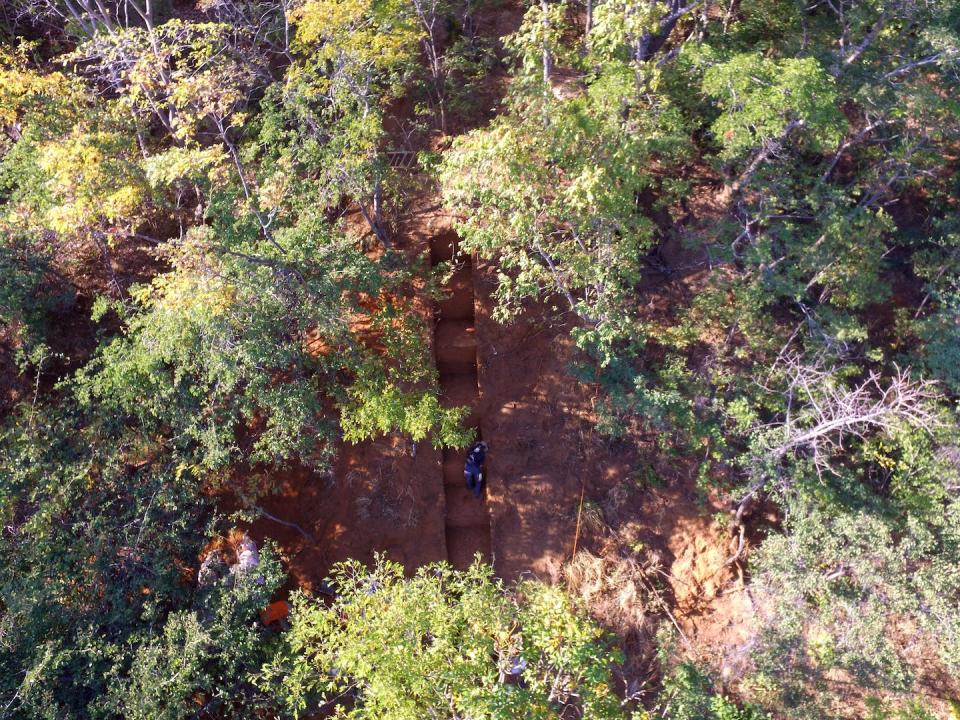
(412, 503)
(455, 350)
(389, 495)
(540, 426)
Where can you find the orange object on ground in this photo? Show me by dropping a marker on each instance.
(274, 612)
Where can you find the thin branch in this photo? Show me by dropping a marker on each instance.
(286, 523)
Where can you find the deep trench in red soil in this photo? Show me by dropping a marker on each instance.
(466, 518)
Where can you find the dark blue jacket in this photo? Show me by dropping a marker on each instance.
(473, 468)
(477, 456)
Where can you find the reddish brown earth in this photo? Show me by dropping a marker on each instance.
(467, 518)
(413, 504)
(544, 451)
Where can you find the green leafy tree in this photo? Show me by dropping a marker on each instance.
(220, 346)
(561, 192)
(763, 102)
(99, 611)
(811, 224)
(830, 587)
(689, 694)
(357, 56)
(176, 74)
(29, 290)
(69, 165)
(456, 58)
(443, 643)
(551, 191)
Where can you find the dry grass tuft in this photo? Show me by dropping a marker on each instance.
(614, 591)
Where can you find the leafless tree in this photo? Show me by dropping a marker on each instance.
(822, 411)
(267, 22)
(429, 13)
(90, 17)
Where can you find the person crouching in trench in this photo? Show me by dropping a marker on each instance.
(473, 467)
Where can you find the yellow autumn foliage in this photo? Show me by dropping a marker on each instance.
(22, 88)
(379, 32)
(91, 175)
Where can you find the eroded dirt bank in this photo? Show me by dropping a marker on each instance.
(640, 507)
(641, 511)
(467, 520)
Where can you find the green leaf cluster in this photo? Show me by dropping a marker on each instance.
(443, 643)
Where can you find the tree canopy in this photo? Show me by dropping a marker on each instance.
(742, 214)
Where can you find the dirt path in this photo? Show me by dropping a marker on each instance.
(467, 521)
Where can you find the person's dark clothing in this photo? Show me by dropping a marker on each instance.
(473, 468)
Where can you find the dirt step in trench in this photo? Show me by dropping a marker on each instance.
(455, 347)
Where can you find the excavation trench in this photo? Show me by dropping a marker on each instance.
(467, 519)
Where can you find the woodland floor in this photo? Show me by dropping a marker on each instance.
(544, 451)
(640, 510)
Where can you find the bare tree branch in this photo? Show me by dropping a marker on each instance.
(823, 411)
(832, 411)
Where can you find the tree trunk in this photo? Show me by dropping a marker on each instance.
(547, 57)
(770, 147)
(650, 43)
(374, 221)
